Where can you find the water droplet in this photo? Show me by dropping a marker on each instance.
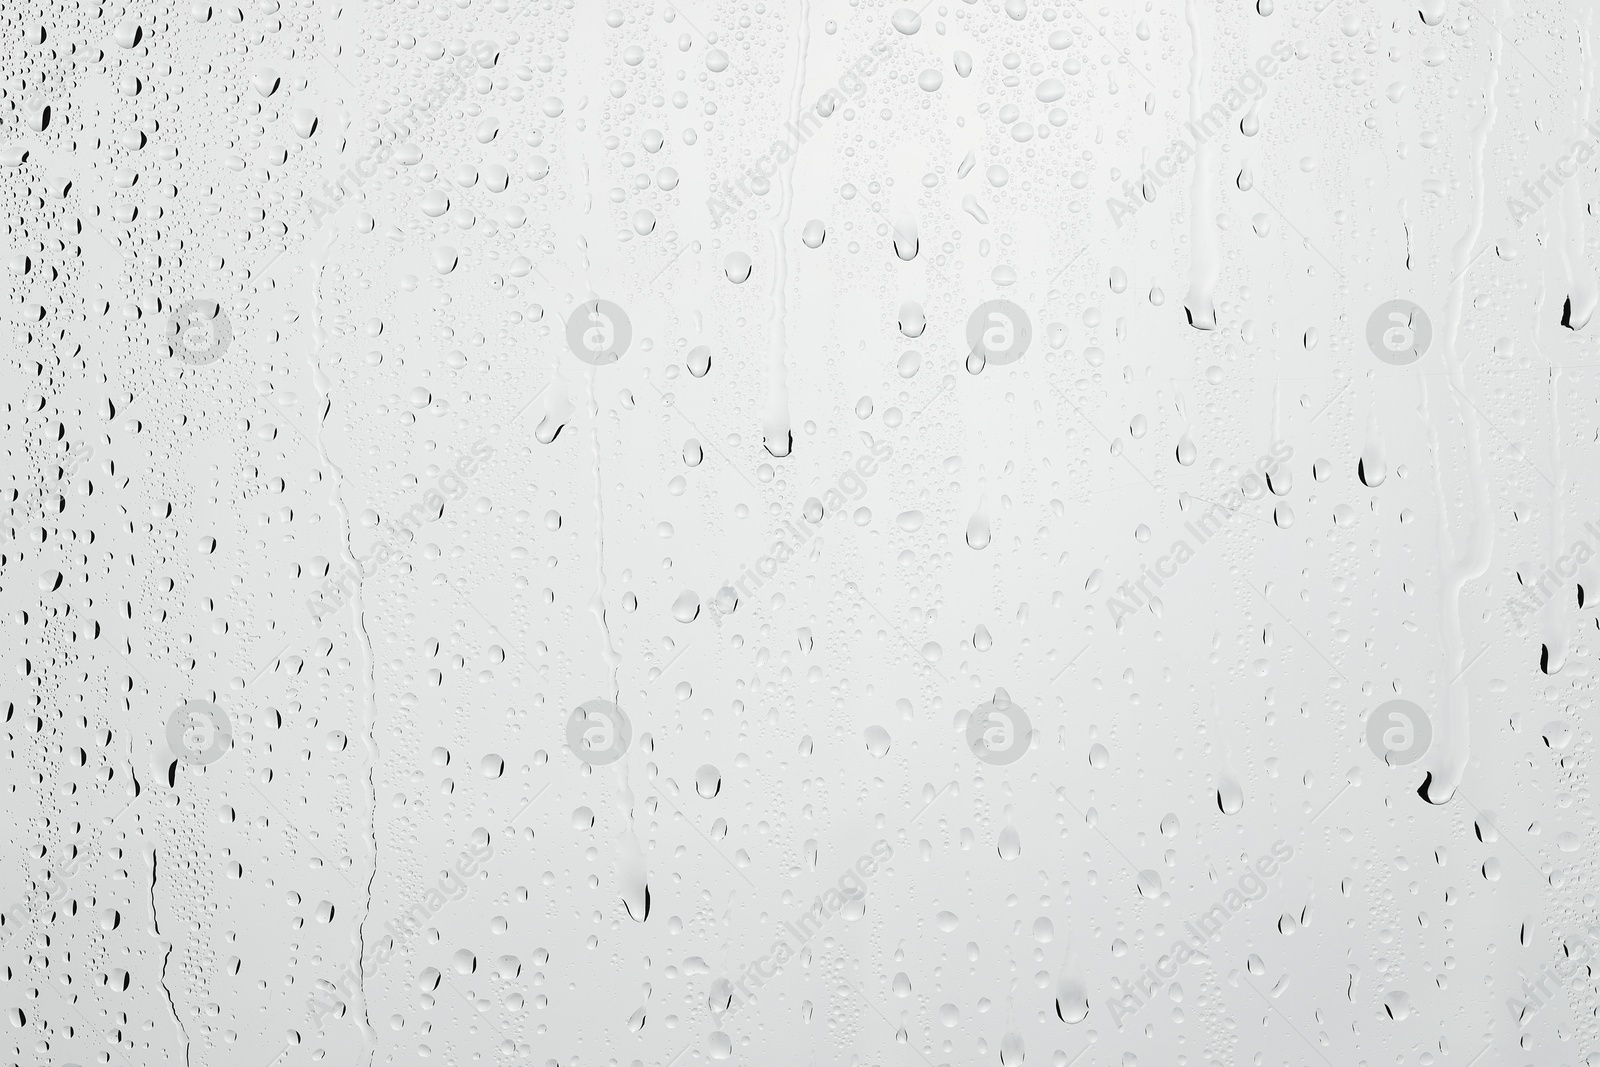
(1009, 843)
(905, 238)
(906, 21)
(911, 319)
(1230, 796)
(1186, 451)
(687, 607)
(978, 529)
(737, 267)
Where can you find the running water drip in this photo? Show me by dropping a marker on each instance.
(1012, 1048)
(906, 242)
(320, 253)
(1373, 466)
(1446, 760)
(150, 855)
(1583, 291)
(631, 872)
(1204, 261)
(597, 602)
(1580, 306)
(1009, 844)
(557, 403)
(633, 884)
(776, 432)
(1553, 613)
(1072, 992)
(1230, 791)
(1185, 452)
(978, 524)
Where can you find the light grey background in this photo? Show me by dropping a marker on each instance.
(800, 572)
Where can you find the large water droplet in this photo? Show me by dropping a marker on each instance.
(1230, 796)
(737, 266)
(687, 607)
(978, 529)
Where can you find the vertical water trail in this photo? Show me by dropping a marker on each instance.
(1583, 292)
(320, 253)
(1230, 789)
(1275, 433)
(166, 957)
(1447, 760)
(1204, 262)
(1570, 903)
(1072, 991)
(629, 867)
(1553, 611)
(597, 602)
(1570, 218)
(775, 426)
